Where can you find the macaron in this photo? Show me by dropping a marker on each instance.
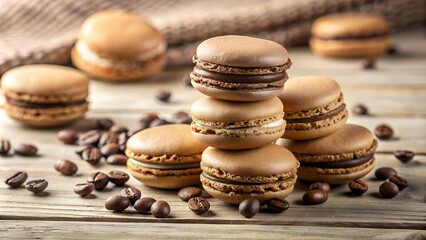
(45, 95)
(314, 107)
(342, 156)
(262, 173)
(116, 45)
(166, 156)
(237, 125)
(240, 68)
(350, 35)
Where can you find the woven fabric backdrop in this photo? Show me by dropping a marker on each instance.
(43, 31)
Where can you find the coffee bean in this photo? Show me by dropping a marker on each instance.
(119, 178)
(404, 155)
(358, 187)
(320, 186)
(388, 190)
(383, 132)
(133, 194)
(117, 159)
(384, 173)
(160, 209)
(66, 167)
(117, 203)
(146, 119)
(80, 149)
(92, 155)
(187, 80)
(110, 149)
(360, 109)
(107, 138)
(4, 146)
(401, 182)
(90, 138)
(36, 186)
(368, 63)
(117, 129)
(122, 141)
(67, 136)
(104, 124)
(99, 179)
(163, 95)
(27, 150)
(84, 189)
(189, 192)
(198, 205)
(158, 122)
(313, 197)
(249, 207)
(143, 205)
(181, 118)
(277, 205)
(16, 180)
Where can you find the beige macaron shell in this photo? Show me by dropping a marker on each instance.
(215, 110)
(42, 79)
(349, 25)
(242, 51)
(265, 161)
(349, 138)
(120, 33)
(165, 140)
(309, 92)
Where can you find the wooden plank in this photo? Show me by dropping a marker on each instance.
(116, 230)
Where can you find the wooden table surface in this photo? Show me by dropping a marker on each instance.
(395, 93)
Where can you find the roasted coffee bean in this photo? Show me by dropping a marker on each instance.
(119, 178)
(4, 146)
(117, 203)
(189, 192)
(277, 205)
(320, 186)
(399, 181)
(404, 155)
(358, 187)
(107, 138)
(368, 63)
(36, 186)
(313, 197)
(67, 136)
(90, 138)
(104, 124)
(181, 118)
(143, 205)
(187, 80)
(146, 119)
(384, 173)
(133, 194)
(110, 149)
(158, 122)
(16, 180)
(163, 95)
(160, 209)
(388, 190)
(99, 179)
(66, 167)
(27, 150)
(360, 109)
(117, 129)
(84, 189)
(383, 132)
(92, 155)
(249, 207)
(117, 159)
(198, 205)
(122, 138)
(80, 149)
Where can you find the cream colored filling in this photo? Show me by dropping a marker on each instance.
(90, 56)
(164, 166)
(277, 123)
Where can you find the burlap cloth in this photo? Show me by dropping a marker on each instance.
(43, 31)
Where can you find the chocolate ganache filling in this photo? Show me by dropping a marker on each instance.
(320, 117)
(226, 181)
(340, 164)
(352, 37)
(24, 104)
(234, 78)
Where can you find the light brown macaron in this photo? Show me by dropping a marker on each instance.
(262, 173)
(45, 95)
(342, 156)
(314, 107)
(350, 35)
(166, 156)
(237, 125)
(115, 45)
(240, 68)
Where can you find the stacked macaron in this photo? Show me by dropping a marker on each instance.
(240, 118)
(327, 148)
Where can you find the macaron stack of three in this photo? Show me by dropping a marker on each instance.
(240, 118)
